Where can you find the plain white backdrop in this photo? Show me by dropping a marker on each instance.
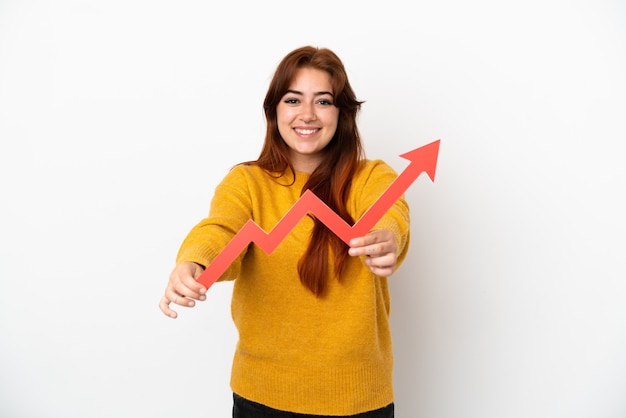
(118, 119)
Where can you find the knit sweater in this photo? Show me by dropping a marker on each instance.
(328, 355)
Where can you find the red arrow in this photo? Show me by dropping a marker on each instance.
(423, 159)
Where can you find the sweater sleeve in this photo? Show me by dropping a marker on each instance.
(230, 210)
(376, 177)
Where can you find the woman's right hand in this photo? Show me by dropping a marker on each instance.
(182, 288)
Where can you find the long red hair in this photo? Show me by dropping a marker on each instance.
(332, 179)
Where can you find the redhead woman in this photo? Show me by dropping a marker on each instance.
(313, 316)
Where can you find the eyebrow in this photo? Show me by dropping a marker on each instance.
(319, 93)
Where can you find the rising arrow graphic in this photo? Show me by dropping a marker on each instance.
(423, 160)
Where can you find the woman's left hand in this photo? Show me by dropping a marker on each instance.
(380, 249)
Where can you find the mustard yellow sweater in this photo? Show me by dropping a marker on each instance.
(296, 352)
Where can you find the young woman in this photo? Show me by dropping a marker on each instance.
(312, 316)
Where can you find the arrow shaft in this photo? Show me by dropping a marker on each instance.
(423, 159)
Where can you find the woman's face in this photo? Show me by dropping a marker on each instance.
(307, 118)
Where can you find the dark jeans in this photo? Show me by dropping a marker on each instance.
(243, 408)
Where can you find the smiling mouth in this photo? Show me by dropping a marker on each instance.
(306, 131)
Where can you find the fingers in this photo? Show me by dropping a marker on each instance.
(173, 296)
(182, 288)
(374, 244)
(380, 251)
(183, 282)
(382, 266)
(183, 294)
(164, 305)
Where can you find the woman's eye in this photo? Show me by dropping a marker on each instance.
(325, 102)
(291, 101)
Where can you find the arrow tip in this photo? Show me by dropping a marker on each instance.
(425, 157)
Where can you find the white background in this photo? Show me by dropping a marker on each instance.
(118, 118)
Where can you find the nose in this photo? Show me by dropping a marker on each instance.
(308, 113)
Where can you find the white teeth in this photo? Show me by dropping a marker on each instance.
(306, 131)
